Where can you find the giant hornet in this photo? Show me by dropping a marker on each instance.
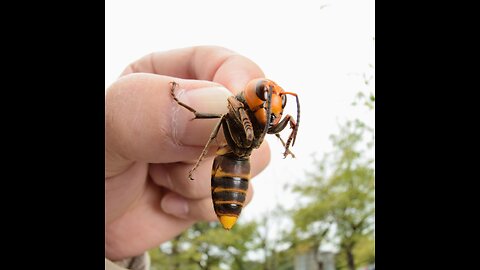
(252, 113)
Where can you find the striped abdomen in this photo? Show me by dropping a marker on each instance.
(230, 175)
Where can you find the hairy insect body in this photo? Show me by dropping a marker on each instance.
(242, 132)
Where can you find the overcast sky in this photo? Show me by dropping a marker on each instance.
(318, 49)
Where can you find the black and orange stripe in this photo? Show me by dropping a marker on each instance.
(230, 175)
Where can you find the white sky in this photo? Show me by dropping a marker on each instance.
(319, 53)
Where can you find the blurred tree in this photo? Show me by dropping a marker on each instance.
(274, 241)
(340, 193)
(364, 253)
(209, 246)
(183, 252)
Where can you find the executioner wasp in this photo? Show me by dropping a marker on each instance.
(252, 113)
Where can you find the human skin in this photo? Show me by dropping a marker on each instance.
(151, 144)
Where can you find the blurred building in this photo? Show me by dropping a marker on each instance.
(327, 260)
(306, 261)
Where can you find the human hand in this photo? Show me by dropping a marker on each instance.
(151, 144)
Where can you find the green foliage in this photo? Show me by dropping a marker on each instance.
(361, 97)
(368, 102)
(364, 253)
(208, 246)
(340, 192)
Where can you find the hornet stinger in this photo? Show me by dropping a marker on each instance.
(252, 113)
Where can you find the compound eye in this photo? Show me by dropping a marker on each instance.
(262, 92)
(272, 119)
(284, 101)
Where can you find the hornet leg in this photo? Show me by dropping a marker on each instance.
(205, 149)
(287, 151)
(280, 126)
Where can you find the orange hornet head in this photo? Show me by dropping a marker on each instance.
(256, 95)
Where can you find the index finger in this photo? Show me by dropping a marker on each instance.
(210, 63)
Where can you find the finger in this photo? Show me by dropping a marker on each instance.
(155, 227)
(144, 123)
(188, 209)
(175, 176)
(211, 63)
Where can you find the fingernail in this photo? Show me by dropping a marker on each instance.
(212, 100)
(209, 99)
(175, 205)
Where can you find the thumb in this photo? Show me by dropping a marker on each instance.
(143, 122)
